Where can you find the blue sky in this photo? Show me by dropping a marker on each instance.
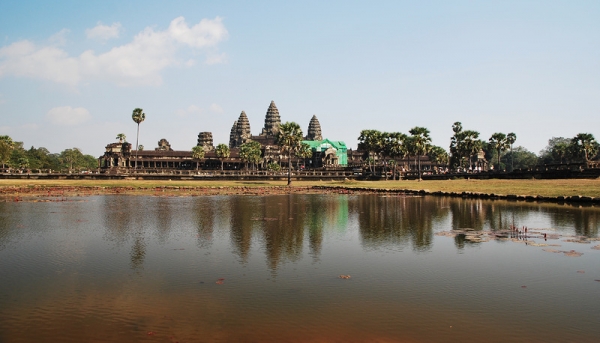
(71, 72)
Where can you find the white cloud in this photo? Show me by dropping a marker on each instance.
(68, 116)
(104, 32)
(138, 62)
(216, 108)
(192, 109)
(59, 38)
(216, 58)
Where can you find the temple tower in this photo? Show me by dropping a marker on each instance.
(240, 132)
(272, 121)
(314, 130)
(232, 134)
(205, 140)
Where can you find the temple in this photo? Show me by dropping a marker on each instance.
(120, 158)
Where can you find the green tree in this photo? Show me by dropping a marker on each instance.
(71, 157)
(304, 152)
(584, 144)
(250, 153)
(511, 138)
(455, 142)
(138, 117)
(370, 141)
(121, 137)
(522, 158)
(469, 145)
(198, 154)
(499, 143)
(395, 147)
(558, 150)
(223, 152)
(140, 147)
(421, 143)
(438, 155)
(289, 138)
(6, 148)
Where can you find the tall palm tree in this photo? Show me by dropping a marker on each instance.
(421, 143)
(138, 116)
(510, 139)
(499, 142)
(469, 145)
(197, 153)
(223, 152)
(289, 138)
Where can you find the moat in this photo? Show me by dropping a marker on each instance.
(298, 267)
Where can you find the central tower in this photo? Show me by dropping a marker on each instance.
(272, 121)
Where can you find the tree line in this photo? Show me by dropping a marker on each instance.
(13, 156)
(467, 149)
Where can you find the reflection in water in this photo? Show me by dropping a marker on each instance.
(398, 220)
(69, 268)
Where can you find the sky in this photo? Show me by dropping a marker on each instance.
(71, 72)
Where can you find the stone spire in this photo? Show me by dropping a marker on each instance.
(232, 134)
(240, 132)
(205, 140)
(272, 121)
(314, 130)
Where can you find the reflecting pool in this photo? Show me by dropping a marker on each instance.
(267, 269)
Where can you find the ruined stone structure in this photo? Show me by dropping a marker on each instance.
(163, 145)
(205, 140)
(272, 121)
(240, 131)
(314, 130)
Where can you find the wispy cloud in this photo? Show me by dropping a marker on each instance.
(139, 62)
(104, 32)
(190, 110)
(216, 108)
(68, 116)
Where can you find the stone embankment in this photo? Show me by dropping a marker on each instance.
(16, 193)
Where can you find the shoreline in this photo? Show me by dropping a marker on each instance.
(17, 193)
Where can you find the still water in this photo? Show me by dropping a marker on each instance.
(267, 269)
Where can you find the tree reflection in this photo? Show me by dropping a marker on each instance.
(244, 212)
(398, 220)
(205, 209)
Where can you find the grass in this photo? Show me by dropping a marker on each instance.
(564, 187)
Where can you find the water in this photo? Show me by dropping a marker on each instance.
(266, 268)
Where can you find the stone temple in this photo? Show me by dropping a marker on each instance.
(119, 157)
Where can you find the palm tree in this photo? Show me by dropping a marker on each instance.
(585, 143)
(395, 146)
(370, 140)
(421, 143)
(469, 144)
(289, 138)
(438, 155)
(250, 152)
(510, 139)
(500, 143)
(304, 152)
(198, 153)
(222, 152)
(121, 137)
(138, 116)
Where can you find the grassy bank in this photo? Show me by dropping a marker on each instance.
(550, 188)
